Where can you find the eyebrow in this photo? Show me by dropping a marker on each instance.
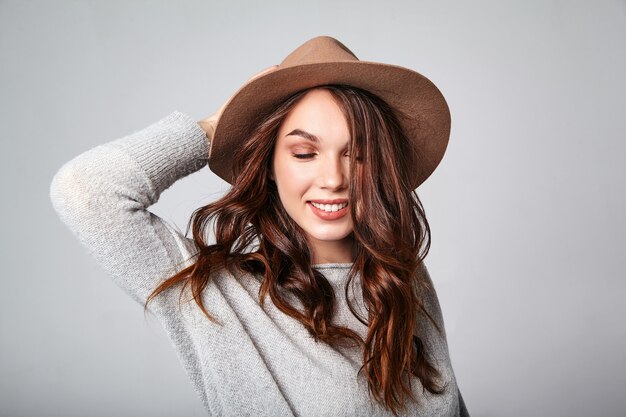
(306, 135)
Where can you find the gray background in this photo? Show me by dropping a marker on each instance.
(527, 208)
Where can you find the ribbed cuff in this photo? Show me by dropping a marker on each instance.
(167, 150)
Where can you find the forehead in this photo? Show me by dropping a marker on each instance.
(318, 113)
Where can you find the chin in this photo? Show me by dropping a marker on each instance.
(331, 237)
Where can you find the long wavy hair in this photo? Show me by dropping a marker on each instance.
(391, 237)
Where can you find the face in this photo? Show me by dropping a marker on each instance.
(311, 170)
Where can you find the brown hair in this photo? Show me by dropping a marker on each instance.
(391, 238)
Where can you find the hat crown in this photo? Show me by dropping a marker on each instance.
(422, 111)
(318, 50)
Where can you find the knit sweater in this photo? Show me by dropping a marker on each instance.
(259, 361)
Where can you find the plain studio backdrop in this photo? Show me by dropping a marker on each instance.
(527, 208)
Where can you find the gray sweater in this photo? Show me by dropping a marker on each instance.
(259, 362)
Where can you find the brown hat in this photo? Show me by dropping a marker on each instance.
(325, 60)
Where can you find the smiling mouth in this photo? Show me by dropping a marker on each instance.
(329, 212)
(329, 208)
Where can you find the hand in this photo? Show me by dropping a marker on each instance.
(208, 124)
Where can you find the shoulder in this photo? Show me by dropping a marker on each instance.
(425, 287)
(427, 293)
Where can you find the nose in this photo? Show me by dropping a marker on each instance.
(334, 173)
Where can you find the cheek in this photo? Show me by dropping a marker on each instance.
(292, 178)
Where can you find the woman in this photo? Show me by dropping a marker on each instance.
(323, 153)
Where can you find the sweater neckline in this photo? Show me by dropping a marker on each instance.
(335, 273)
(333, 265)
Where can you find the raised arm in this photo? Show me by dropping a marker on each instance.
(103, 195)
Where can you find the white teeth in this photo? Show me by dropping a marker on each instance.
(329, 207)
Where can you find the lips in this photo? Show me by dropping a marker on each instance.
(329, 215)
(335, 201)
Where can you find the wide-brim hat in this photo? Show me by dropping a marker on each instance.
(325, 60)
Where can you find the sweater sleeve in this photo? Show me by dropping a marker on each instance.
(462, 407)
(103, 195)
(438, 341)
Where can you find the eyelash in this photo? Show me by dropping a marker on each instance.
(303, 155)
(310, 155)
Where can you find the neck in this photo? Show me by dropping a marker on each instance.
(334, 251)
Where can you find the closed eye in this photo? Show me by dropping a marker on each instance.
(303, 155)
(358, 157)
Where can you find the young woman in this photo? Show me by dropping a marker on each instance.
(314, 299)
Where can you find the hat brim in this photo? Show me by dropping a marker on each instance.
(427, 124)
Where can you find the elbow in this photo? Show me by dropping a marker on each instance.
(75, 186)
(64, 189)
